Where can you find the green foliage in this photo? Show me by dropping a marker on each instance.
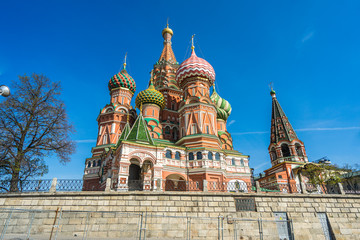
(322, 173)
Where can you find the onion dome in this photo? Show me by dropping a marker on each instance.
(273, 93)
(124, 80)
(167, 30)
(195, 67)
(150, 95)
(223, 107)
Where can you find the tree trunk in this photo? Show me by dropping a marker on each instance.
(14, 182)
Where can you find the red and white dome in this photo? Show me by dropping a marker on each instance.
(195, 67)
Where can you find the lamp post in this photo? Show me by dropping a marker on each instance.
(4, 91)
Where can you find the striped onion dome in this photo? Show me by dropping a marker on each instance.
(195, 67)
(150, 95)
(223, 107)
(122, 79)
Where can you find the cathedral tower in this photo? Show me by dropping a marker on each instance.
(197, 112)
(150, 102)
(284, 143)
(165, 82)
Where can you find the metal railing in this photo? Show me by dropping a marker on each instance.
(76, 185)
(61, 224)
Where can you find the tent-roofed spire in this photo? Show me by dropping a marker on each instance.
(281, 128)
(167, 53)
(139, 131)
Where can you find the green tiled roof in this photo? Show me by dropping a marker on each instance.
(124, 134)
(139, 132)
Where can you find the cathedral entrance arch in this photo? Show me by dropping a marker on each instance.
(134, 180)
(175, 182)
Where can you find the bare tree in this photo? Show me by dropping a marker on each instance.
(33, 125)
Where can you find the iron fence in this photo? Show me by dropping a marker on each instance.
(76, 185)
(60, 224)
(232, 186)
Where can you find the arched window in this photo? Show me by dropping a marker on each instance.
(210, 156)
(167, 130)
(168, 154)
(99, 163)
(233, 161)
(191, 156)
(285, 150)
(177, 155)
(174, 133)
(207, 129)
(193, 128)
(198, 155)
(273, 154)
(299, 151)
(241, 162)
(104, 139)
(94, 163)
(217, 156)
(89, 164)
(172, 106)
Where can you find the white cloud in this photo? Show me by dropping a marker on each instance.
(261, 165)
(303, 130)
(327, 129)
(308, 36)
(231, 123)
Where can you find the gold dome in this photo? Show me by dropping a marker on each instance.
(167, 30)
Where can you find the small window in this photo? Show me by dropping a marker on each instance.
(167, 130)
(177, 155)
(99, 163)
(207, 129)
(191, 156)
(210, 156)
(104, 139)
(168, 154)
(89, 164)
(233, 162)
(94, 164)
(198, 155)
(217, 156)
(241, 162)
(193, 129)
(280, 176)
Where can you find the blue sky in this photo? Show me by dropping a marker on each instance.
(309, 49)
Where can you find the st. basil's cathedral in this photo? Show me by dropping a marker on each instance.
(180, 132)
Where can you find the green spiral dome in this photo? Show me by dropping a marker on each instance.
(150, 95)
(223, 107)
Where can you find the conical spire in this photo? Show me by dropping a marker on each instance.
(167, 53)
(281, 128)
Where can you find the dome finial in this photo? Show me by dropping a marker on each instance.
(151, 83)
(272, 91)
(124, 64)
(167, 29)
(192, 42)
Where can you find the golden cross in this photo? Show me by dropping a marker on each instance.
(192, 42)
